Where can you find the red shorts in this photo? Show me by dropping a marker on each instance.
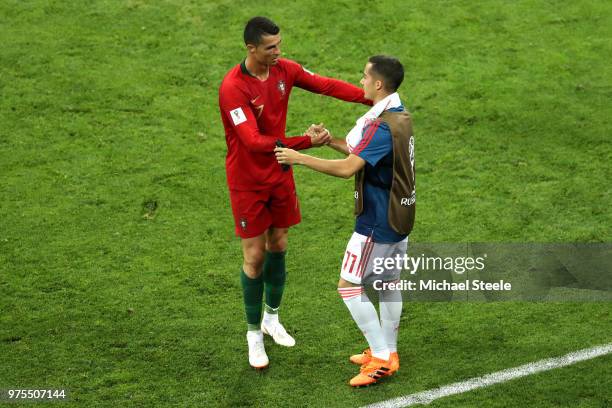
(256, 211)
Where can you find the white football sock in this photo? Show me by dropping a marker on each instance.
(270, 318)
(390, 305)
(364, 314)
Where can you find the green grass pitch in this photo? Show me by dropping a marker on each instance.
(118, 261)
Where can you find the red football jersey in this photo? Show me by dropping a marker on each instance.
(254, 115)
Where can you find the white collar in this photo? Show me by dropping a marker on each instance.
(354, 136)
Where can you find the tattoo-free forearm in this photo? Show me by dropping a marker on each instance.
(339, 145)
(337, 168)
(344, 168)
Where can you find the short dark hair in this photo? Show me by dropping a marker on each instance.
(258, 27)
(389, 69)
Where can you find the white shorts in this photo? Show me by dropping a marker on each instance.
(362, 260)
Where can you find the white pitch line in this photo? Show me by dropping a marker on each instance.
(426, 397)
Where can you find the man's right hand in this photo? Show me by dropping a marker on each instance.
(319, 136)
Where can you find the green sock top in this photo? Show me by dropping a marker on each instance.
(276, 255)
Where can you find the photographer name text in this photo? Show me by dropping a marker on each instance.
(444, 285)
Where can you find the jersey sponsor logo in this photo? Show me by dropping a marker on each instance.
(281, 87)
(243, 223)
(258, 108)
(237, 116)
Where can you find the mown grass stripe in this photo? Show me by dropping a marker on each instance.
(425, 397)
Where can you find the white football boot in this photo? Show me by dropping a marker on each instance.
(275, 329)
(257, 353)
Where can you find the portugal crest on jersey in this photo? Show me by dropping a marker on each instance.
(281, 87)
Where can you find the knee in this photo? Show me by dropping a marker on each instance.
(345, 284)
(277, 241)
(253, 262)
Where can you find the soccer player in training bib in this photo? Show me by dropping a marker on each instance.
(253, 100)
(380, 153)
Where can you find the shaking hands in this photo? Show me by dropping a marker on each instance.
(319, 136)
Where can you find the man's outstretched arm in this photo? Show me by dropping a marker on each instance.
(234, 106)
(344, 168)
(339, 145)
(255, 141)
(327, 86)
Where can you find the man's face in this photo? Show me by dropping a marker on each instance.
(268, 51)
(370, 83)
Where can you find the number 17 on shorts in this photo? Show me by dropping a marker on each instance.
(362, 254)
(356, 258)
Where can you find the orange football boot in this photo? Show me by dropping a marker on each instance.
(371, 372)
(363, 358)
(366, 356)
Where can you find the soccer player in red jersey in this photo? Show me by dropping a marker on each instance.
(253, 100)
